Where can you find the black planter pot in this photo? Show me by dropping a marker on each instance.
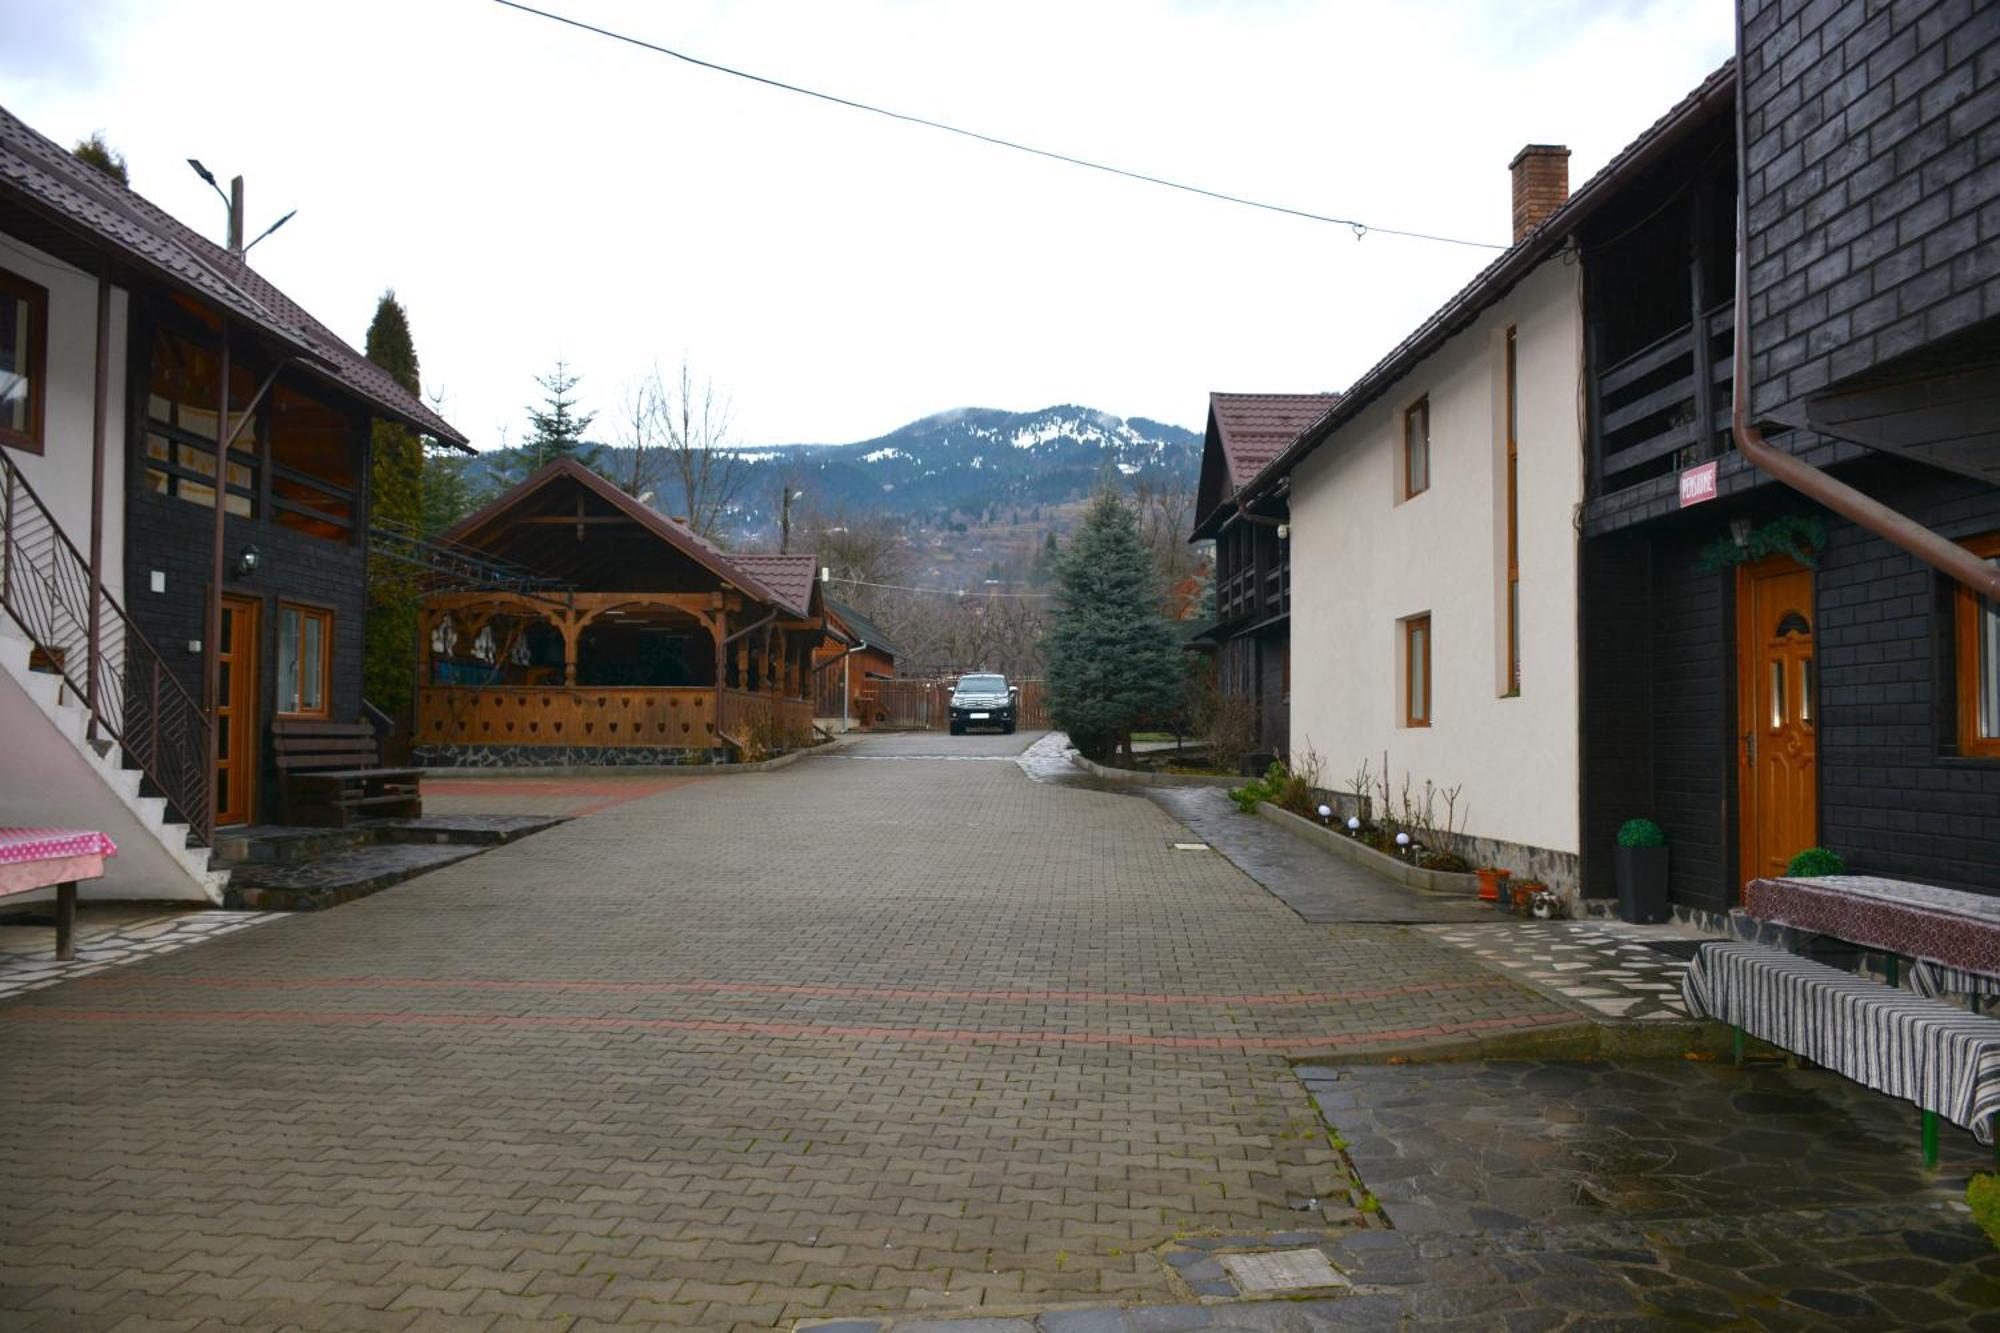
(1642, 885)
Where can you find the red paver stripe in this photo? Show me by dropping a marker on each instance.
(114, 981)
(988, 1036)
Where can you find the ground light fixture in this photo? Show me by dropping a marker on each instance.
(1354, 823)
(1326, 812)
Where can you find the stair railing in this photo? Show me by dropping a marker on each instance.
(132, 697)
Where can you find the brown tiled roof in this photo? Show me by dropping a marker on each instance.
(783, 581)
(1713, 95)
(53, 180)
(789, 576)
(1255, 428)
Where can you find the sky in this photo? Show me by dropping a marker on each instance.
(532, 192)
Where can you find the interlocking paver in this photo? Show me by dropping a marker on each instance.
(873, 1034)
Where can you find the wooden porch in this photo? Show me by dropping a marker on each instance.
(613, 671)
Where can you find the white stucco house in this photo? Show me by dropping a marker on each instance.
(1434, 547)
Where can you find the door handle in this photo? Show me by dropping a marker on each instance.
(1750, 744)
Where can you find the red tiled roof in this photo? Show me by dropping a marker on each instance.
(40, 170)
(790, 577)
(1255, 428)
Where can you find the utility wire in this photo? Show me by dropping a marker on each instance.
(942, 592)
(1360, 229)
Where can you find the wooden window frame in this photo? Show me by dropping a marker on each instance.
(1965, 654)
(1419, 410)
(30, 441)
(1411, 627)
(1513, 405)
(305, 611)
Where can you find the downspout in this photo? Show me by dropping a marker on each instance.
(1939, 552)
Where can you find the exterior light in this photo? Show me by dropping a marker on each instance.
(248, 560)
(1354, 823)
(1284, 532)
(1326, 812)
(1402, 840)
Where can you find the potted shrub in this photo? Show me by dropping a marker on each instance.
(1491, 879)
(1524, 891)
(1814, 862)
(1642, 872)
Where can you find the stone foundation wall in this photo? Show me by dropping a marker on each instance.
(559, 756)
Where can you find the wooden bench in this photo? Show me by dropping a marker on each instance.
(329, 773)
(1936, 1055)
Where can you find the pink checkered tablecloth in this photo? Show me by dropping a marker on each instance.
(48, 844)
(34, 858)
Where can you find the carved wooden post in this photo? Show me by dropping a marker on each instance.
(572, 632)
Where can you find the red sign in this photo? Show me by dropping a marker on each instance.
(1698, 484)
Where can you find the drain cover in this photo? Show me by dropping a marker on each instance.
(1190, 846)
(1281, 1270)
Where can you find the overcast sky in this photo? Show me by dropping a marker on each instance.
(533, 192)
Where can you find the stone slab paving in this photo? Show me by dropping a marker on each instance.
(1546, 1194)
(847, 1039)
(555, 795)
(1608, 967)
(107, 936)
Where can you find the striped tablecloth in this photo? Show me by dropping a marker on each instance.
(1883, 1038)
(1918, 921)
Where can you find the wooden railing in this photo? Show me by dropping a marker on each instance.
(550, 715)
(763, 722)
(1663, 407)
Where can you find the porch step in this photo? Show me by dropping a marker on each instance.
(328, 881)
(278, 844)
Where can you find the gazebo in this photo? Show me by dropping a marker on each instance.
(643, 644)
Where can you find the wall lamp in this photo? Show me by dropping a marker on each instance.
(247, 561)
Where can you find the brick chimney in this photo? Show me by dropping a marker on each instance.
(1541, 184)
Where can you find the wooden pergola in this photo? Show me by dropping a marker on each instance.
(691, 649)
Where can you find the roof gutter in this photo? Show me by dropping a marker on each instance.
(1898, 529)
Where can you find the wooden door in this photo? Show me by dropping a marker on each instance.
(1777, 751)
(236, 713)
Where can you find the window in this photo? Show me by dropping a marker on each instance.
(24, 339)
(182, 394)
(305, 660)
(1977, 625)
(1417, 671)
(313, 465)
(1417, 448)
(1513, 524)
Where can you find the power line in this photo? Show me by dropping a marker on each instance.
(942, 592)
(1360, 229)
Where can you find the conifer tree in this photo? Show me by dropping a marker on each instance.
(103, 156)
(556, 427)
(1113, 661)
(395, 497)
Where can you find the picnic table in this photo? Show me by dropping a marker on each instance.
(34, 858)
(1951, 937)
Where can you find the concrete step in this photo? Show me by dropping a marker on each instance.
(331, 880)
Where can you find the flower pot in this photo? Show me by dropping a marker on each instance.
(1490, 880)
(1524, 895)
(1642, 885)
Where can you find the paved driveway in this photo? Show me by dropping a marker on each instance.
(877, 1032)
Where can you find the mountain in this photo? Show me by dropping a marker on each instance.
(974, 460)
(964, 464)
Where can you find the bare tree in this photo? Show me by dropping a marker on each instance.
(1165, 507)
(638, 472)
(692, 428)
(857, 552)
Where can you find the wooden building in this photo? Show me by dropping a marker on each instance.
(852, 664)
(1251, 635)
(643, 644)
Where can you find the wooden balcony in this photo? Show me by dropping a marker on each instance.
(1665, 407)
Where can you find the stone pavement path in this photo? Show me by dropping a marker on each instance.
(107, 935)
(1319, 886)
(1610, 967)
(852, 1038)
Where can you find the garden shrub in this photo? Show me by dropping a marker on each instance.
(1641, 833)
(1816, 861)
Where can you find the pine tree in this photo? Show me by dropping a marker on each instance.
(396, 498)
(557, 427)
(1113, 660)
(103, 156)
